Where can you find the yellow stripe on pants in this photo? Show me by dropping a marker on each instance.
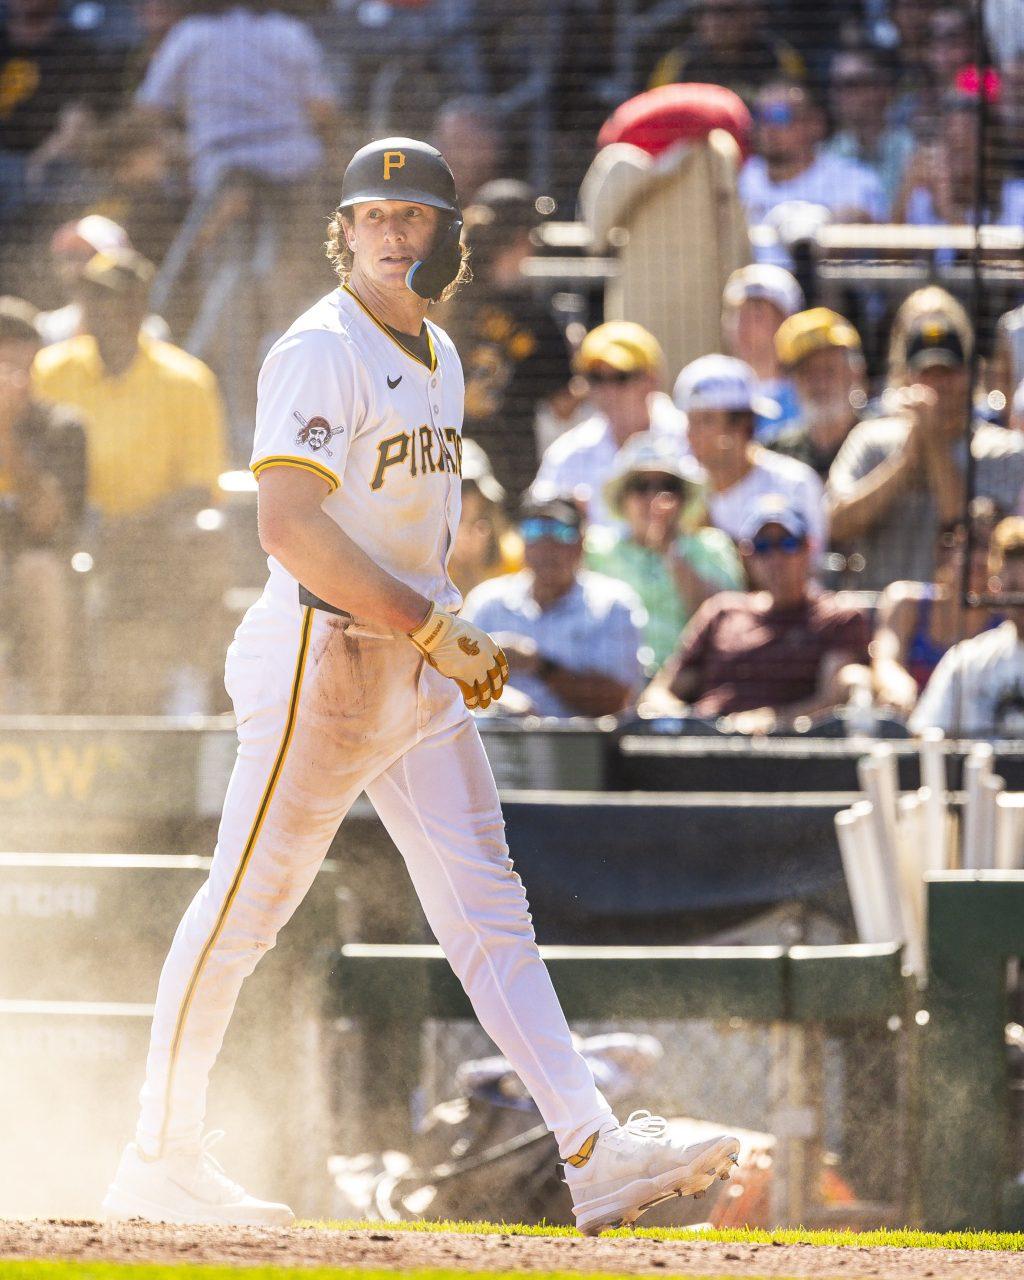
(236, 882)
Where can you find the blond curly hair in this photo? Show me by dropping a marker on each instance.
(340, 257)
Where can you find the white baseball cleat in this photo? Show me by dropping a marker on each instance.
(186, 1187)
(620, 1174)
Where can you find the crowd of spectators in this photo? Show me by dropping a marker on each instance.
(739, 543)
(771, 588)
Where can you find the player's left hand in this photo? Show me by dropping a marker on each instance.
(465, 654)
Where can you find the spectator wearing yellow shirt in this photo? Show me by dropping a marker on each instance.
(156, 445)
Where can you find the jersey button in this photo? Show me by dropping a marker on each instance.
(433, 382)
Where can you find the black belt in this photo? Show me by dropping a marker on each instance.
(309, 601)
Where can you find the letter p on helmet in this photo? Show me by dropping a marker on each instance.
(393, 160)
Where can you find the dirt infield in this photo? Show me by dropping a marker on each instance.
(140, 1242)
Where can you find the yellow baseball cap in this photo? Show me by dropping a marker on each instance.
(627, 347)
(809, 331)
(1007, 540)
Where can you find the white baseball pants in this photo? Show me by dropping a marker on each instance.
(327, 709)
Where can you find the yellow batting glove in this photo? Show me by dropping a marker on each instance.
(465, 654)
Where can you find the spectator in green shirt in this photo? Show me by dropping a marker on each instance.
(665, 552)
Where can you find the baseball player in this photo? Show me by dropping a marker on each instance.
(352, 673)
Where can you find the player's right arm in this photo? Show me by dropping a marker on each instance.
(309, 378)
(313, 380)
(295, 530)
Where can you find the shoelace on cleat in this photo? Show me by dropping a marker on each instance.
(644, 1125)
(639, 1124)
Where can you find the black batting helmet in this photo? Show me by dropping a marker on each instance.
(404, 169)
(399, 169)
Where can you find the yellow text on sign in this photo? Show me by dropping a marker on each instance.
(57, 772)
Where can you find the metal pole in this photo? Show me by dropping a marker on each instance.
(980, 185)
(980, 175)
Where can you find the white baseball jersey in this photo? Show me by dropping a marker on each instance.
(340, 397)
(328, 707)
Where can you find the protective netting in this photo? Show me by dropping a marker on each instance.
(657, 147)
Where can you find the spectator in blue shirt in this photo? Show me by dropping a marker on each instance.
(789, 164)
(756, 300)
(572, 637)
(252, 88)
(861, 89)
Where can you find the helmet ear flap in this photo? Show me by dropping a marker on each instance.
(432, 275)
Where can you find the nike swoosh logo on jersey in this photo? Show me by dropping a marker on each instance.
(394, 384)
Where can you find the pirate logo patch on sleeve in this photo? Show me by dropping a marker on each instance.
(316, 433)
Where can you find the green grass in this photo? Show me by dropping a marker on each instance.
(1009, 1241)
(100, 1270)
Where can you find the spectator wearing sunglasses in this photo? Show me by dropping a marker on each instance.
(765, 660)
(665, 550)
(861, 83)
(624, 369)
(719, 396)
(789, 165)
(572, 637)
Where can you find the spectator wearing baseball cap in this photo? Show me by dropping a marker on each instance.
(720, 398)
(822, 353)
(572, 636)
(623, 366)
(898, 480)
(153, 413)
(515, 356)
(766, 659)
(155, 441)
(664, 548)
(72, 245)
(756, 300)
